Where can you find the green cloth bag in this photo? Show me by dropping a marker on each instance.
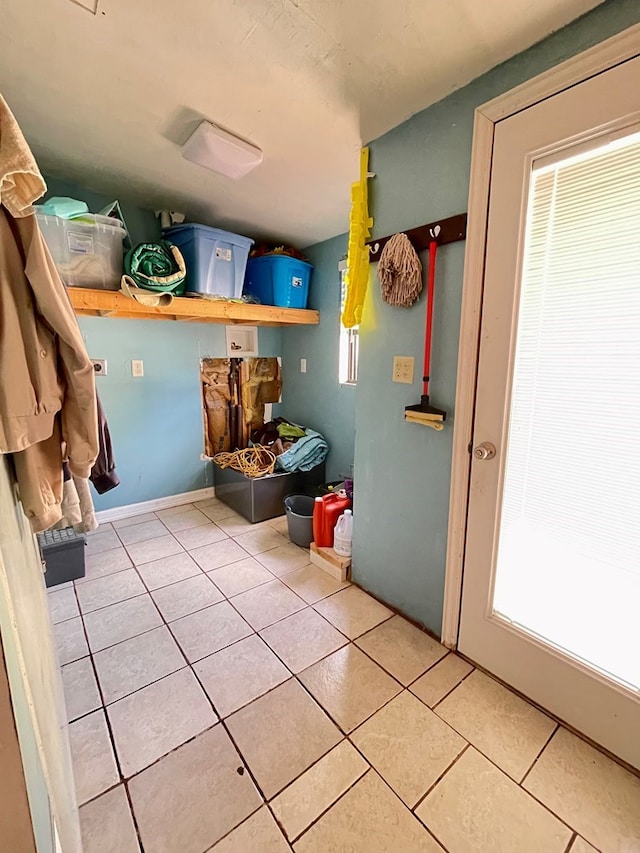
(157, 266)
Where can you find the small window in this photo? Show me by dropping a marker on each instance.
(349, 343)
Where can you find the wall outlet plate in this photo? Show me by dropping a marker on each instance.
(137, 367)
(99, 366)
(403, 367)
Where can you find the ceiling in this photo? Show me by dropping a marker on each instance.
(107, 99)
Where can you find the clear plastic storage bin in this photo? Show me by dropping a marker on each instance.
(215, 259)
(87, 252)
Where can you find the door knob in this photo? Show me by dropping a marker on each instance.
(486, 450)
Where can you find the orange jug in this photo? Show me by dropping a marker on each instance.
(326, 512)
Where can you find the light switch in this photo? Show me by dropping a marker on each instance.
(403, 369)
(303, 365)
(137, 367)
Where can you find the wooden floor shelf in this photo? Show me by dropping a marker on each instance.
(109, 303)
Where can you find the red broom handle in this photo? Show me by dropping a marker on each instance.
(433, 248)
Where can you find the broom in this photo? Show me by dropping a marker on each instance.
(424, 413)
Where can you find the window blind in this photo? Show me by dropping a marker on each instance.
(571, 502)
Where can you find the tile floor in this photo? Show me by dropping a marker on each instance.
(225, 695)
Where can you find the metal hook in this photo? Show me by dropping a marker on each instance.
(435, 231)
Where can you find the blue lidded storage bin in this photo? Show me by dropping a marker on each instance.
(278, 280)
(215, 259)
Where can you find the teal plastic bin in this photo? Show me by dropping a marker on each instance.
(278, 280)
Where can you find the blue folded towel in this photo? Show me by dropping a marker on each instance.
(305, 454)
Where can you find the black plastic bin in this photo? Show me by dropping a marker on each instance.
(63, 554)
(299, 509)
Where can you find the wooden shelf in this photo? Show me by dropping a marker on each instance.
(109, 303)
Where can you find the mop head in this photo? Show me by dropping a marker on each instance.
(425, 414)
(400, 272)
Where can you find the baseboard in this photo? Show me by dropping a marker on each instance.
(119, 512)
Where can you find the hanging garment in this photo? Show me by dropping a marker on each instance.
(88, 520)
(70, 508)
(20, 180)
(103, 474)
(39, 476)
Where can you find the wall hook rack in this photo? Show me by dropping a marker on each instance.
(443, 231)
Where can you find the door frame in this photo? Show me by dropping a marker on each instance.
(595, 60)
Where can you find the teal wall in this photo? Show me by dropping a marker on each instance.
(315, 398)
(155, 421)
(402, 470)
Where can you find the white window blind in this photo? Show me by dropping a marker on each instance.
(569, 549)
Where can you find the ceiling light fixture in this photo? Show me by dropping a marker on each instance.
(222, 152)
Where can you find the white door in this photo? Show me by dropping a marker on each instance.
(551, 587)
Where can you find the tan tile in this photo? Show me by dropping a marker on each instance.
(281, 525)
(62, 604)
(107, 825)
(233, 523)
(218, 554)
(259, 833)
(441, 679)
(102, 542)
(154, 549)
(402, 649)
(257, 541)
(350, 686)
(134, 519)
(106, 563)
(287, 558)
(121, 621)
(303, 638)
(409, 746)
(94, 765)
(108, 590)
(241, 576)
(168, 570)
(207, 631)
(130, 665)
(174, 511)
(70, 641)
(197, 537)
(81, 694)
(593, 794)
(318, 788)
(215, 509)
(477, 807)
(266, 604)
(142, 532)
(312, 584)
(185, 520)
(281, 734)
(504, 727)
(194, 796)
(187, 596)
(240, 673)
(101, 528)
(581, 846)
(158, 718)
(368, 819)
(352, 611)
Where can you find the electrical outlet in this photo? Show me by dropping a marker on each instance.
(403, 369)
(137, 367)
(99, 366)
(303, 365)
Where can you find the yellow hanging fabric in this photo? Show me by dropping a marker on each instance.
(360, 224)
